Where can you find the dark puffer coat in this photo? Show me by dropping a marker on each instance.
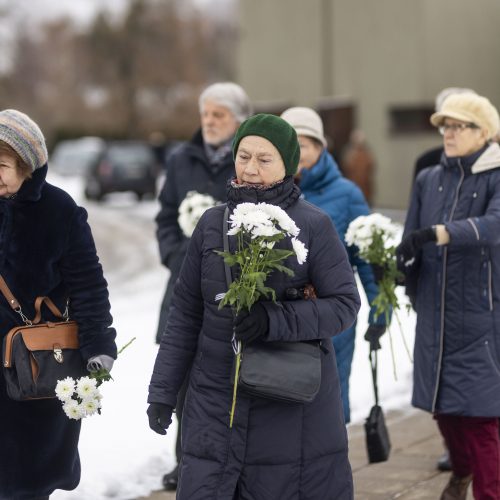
(457, 344)
(47, 249)
(188, 169)
(274, 450)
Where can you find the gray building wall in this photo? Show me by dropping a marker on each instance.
(379, 54)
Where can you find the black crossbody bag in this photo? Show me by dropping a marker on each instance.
(282, 371)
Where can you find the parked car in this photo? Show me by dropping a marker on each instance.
(76, 156)
(123, 166)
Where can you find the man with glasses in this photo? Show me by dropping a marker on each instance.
(450, 255)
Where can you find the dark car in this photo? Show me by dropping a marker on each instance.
(123, 166)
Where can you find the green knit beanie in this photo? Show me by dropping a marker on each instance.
(278, 132)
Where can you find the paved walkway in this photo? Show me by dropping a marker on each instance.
(410, 473)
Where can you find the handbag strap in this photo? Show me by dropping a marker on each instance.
(373, 363)
(225, 226)
(4, 288)
(14, 304)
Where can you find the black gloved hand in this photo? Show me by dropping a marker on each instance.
(160, 417)
(378, 272)
(373, 335)
(409, 247)
(250, 325)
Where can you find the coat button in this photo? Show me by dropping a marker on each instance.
(474, 195)
(440, 188)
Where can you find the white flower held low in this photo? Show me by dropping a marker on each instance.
(80, 398)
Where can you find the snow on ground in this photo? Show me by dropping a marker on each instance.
(121, 457)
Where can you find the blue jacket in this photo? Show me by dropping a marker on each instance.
(46, 248)
(455, 286)
(274, 450)
(324, 186)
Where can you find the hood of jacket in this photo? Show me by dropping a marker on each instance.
(320, 175)
(489, 160)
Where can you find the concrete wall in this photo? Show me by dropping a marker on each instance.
(380, 54)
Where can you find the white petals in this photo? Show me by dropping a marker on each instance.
(192, 207)
(65, 389)
(80, 398)
(73, 409)
(300, 250)
(361, 230)
(262, 222)
(86, 387)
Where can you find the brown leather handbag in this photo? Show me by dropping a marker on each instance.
(39, 353)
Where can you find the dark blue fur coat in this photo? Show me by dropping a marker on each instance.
(47, 248)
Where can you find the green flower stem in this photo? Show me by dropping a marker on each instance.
(403, 336)
(235, 387)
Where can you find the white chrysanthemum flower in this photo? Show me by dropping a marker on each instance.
(192, 207)
(264, 230)
(86, 387)
(362, 229)
(285, 222)
(65, 389)
(300, 250)
(73, 410)
(90, 406)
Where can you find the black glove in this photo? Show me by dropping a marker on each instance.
(378, 272)
(373, 335)
(409, 247)
(160, 417)
(250, 325)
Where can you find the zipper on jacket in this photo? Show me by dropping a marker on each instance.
(443, 291)
(490, 286)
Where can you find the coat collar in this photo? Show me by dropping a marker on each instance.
(31, 189)
(489, 160)
(283, 194)
(320, 175)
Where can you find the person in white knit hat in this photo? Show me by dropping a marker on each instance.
(450, 256)
(323, 185)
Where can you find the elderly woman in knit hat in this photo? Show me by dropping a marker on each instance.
(46, 249)
(323, 185)
(273, 449)
(450, 255)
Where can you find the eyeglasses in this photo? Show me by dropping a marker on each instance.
(456, 127)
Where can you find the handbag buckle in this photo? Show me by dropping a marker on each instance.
(58, 355)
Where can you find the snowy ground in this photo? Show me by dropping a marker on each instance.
(121, 457)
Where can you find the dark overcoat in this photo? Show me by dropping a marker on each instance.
(274, 450)
(455, 287)
(46, 248)
(188, 169)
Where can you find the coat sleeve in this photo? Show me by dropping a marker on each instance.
(168, 233)
(358, 207)
(481, 230)
(179, 343)
(337, 303)
(87, 289)
(412, 223)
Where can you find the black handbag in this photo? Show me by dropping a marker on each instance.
(378, 444)
(38, 354)
(282, 371)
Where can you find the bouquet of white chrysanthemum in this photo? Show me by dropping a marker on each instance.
(81, 398)
(258, 227)
(192, 207)
(375, 237)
